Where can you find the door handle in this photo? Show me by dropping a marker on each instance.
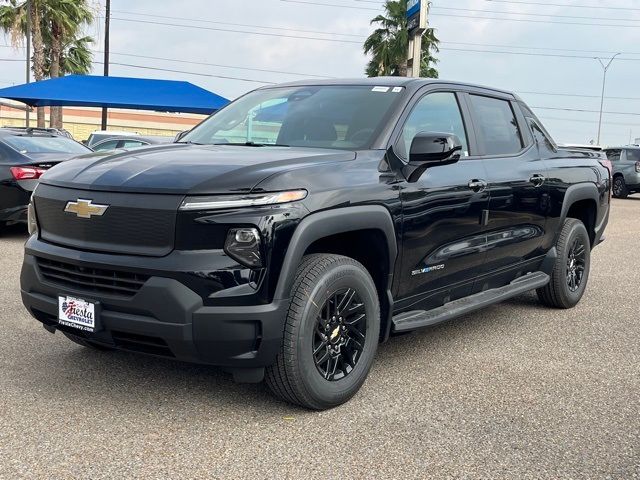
(477, 185)
(537, 180)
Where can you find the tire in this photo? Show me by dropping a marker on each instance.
(86, 343)
(620, 187)
(299, 375)
(571, 269)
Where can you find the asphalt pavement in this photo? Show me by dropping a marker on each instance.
(515, 391)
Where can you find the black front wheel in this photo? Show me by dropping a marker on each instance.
(571, 268)
(620, 187)
(331, 333)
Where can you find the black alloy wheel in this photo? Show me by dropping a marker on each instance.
(570, 274)
(576, 260)
(340, 334)
(620, 187)
(331, 333)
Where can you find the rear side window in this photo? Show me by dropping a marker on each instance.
(498, 127)
(633, 155)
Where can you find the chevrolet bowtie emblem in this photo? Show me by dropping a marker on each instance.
(85, 208)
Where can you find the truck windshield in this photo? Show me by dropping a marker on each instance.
(44, 144)
(336, 116)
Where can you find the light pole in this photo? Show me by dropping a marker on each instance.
(107, 21)
(605, 68)
(28, 7)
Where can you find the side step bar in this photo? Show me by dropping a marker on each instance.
(423, 318)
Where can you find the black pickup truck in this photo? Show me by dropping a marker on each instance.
(287, 235)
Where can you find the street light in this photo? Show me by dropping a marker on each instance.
(604, 82)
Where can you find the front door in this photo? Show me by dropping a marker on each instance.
(442, 236)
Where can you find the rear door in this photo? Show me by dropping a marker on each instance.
(517, 178)
(442, 235)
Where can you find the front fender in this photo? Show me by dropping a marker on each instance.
(331, 222)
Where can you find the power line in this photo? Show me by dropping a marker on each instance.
(593, 122)
(199, 27)
(435, 7)
(287, 29)
(576, 95)
(200, 74)
(332, 5)
(527, 20)
(525, 47)
(562, 5)
(264, 70)
(585, 111)
(528, 54)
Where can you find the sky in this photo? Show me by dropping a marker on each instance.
(544, 50)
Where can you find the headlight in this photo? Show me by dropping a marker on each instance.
(32, 221)
(214, 202)
(243, 245)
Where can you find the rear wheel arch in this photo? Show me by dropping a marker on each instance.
(581, 203)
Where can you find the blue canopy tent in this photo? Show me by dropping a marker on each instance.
(117, 92)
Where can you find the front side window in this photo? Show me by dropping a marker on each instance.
(498, 127)
(437, 112)
(613, 155)
(332, 116)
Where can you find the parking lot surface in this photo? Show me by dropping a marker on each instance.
(515, 391)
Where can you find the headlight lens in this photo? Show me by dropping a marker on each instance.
(243, 245)
(214, 202)
(32, 221)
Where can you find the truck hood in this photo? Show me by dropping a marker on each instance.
(186, 169)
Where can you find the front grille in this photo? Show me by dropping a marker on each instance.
(88, 279)
(132, 224)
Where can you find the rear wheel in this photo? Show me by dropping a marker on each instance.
(331, 333)
(571, 269)
(86, 343)
(620, 187)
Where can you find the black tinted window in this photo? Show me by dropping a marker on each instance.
(613, 155)
(633, 155)
(498, 126)
(438, 113)
(332, 116)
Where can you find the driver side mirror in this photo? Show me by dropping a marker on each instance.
(180, 136)
(431, 148)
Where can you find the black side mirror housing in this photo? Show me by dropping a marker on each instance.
(433, 148)
(180, 136)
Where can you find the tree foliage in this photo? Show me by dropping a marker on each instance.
(389, 43)
(59, 44)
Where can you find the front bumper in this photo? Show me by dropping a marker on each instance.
(164, 317)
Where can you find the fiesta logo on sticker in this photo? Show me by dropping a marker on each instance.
(75, 312)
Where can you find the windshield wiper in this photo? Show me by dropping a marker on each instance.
(252, 144)
(190, 143)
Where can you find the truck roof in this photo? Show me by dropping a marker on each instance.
(386, 82)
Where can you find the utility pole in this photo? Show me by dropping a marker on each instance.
(605, 68)
(28, 7)
(106, 56)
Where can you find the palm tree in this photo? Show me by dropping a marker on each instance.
(389, 43)
(13, 21)
(58, 47)
(66, 19)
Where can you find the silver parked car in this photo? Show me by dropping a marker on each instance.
(626, 170)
